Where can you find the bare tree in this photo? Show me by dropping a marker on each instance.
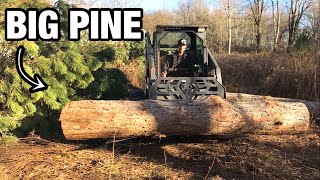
(121, 3)
(296, 11)
(217, 37)
(315, 23)
(160, 17)
(193, 12)
(201, 12)
(228, 9)
(317, 39)
(276, 17)
(82, 3)
(257, 8)
(318, 28)
(184, 10)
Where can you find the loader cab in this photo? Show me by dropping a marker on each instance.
(166, 45)
(168, 48)
(207, 80)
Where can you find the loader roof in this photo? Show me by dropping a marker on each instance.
(175, 28)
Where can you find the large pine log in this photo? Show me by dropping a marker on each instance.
(239, 114)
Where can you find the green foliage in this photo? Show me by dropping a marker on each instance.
(7, 124)
(8, 139)
(109, 84)
(304, 42)
(122, 52)
(136, 49)
(65, 66)
(72, 70)
(104, 52)
(62, 8)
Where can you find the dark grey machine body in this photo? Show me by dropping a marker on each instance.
(188, 88)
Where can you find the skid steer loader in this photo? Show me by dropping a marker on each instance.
(208, 80)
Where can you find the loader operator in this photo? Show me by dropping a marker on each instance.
(180, 64)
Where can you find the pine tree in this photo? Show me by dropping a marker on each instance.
(72, 71)
(65, 66)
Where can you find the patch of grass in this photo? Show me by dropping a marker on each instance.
(8, 139)
(281, 75)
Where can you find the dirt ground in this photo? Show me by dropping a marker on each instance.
(250, 157)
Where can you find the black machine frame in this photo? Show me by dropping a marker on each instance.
(187, 88)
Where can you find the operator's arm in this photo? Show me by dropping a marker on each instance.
(164, 70)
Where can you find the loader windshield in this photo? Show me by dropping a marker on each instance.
(176, 65)
(168, 44)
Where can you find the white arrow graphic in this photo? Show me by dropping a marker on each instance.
(37, 83)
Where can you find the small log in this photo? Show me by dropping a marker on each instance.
(239, 114)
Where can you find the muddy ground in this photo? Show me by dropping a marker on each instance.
(250, 157)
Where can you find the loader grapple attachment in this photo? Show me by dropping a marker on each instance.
(187, 88)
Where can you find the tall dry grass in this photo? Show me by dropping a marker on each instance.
(135, 72)
(281, 75)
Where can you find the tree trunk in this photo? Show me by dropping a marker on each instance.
(229, 35)
(297, 10)
(240, 114)
(258, 41)
(276, 25)
(228, 10)
(290, 41)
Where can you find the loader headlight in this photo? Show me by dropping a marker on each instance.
(201, 29)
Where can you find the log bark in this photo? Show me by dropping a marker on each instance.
(239, 114)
